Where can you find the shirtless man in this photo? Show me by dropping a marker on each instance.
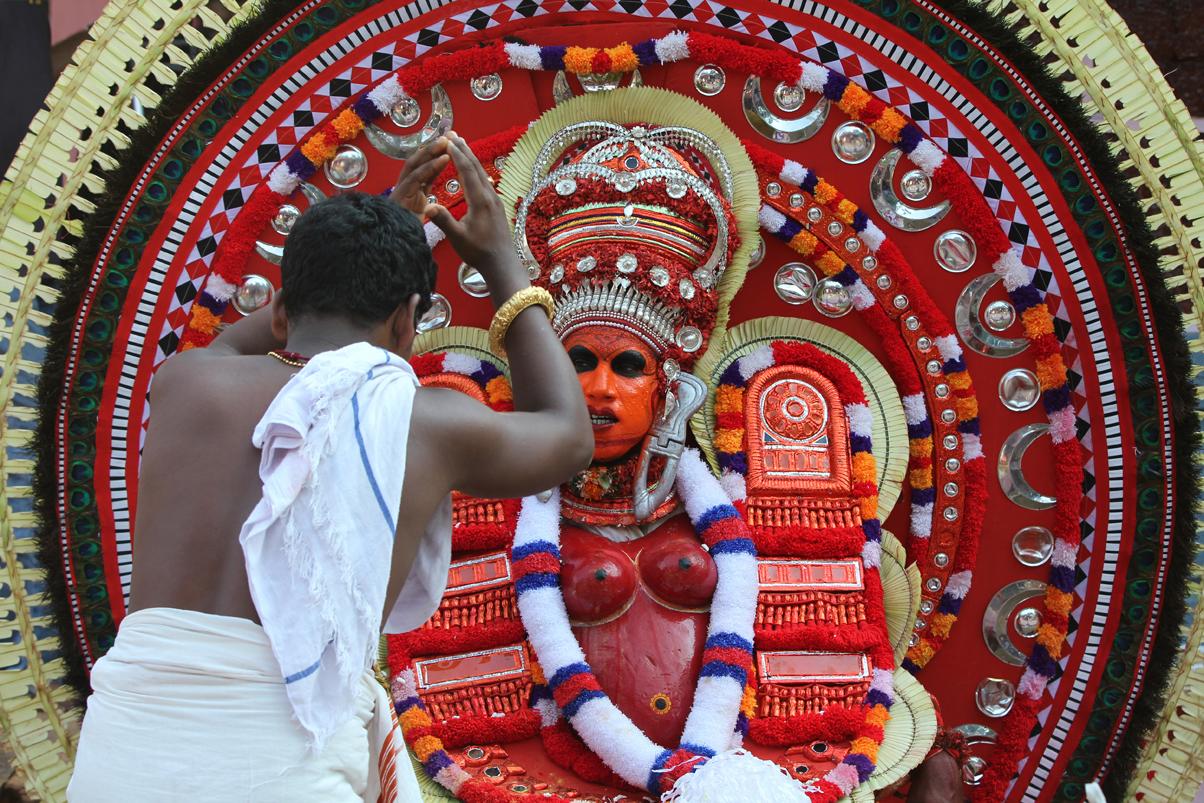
(364, 274)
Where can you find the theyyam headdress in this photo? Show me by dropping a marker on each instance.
(633, 220)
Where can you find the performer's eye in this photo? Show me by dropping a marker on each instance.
(583, 359)
(629, 364)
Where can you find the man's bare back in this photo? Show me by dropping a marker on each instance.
(190, 511)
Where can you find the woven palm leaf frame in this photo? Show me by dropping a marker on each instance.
(58, 198)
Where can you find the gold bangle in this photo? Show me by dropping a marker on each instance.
(504, 317)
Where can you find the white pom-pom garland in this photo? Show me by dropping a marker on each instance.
(524, 57)
(770, 218)
(720, 689)
(737, 775)
(673, 47)
(927, 156)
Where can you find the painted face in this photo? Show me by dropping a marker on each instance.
(618, 376)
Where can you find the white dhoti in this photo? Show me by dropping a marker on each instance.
(189, 706)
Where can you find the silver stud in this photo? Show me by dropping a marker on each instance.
(925, 343)
(586, 264)
(704, 277)
(627, 263)
(471, 281)
(794, 283)
(689, 339)
(952, 464)
(869, 263)
(1032, 545)
(285, 219)
(675, 187)
(788, 97)
(900, 302)
(955, 251)
(995, 696)
(709, 79)
(948, 415)
(796, 200)
(996, 628)
(941, 391)
(814, 214)
(999, 315)
(1028, 622)
(950, 513)
(915, 185)
(500, 162)
(406, 113)
(658, 276)
(686, 288)
(949, 441)
(926, 606)
(486, 87)
(566, 186)
(933, 584)
(913, 641)
(832, 298)
(974, 769)
(852, 244)
(1019, 389)
(940, 559)
(452, 186)
(557, 273)
(883, 281)
(625, 182)
(347, 168)
(438, 316)
(671, 369)
(773, 189)
(253, 292)
(835, 228)
(951, 489)
(919, 624)
(974, 333)
(912, 323)
(533, 271)
(853, 142)
(933, 366)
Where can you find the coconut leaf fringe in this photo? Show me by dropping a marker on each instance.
(1176, 355)
(78, 273)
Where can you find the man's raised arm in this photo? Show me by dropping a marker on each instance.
(549, 436)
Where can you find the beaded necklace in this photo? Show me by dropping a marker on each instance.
(289, 357)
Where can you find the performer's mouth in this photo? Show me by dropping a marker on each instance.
(602, 418)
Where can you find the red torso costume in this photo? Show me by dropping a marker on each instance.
(640, 610)
(618, 593)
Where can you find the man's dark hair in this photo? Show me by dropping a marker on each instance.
(358, 257)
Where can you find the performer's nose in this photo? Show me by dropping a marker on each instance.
(600, 385)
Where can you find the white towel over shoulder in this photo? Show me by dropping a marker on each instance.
(318, 544)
